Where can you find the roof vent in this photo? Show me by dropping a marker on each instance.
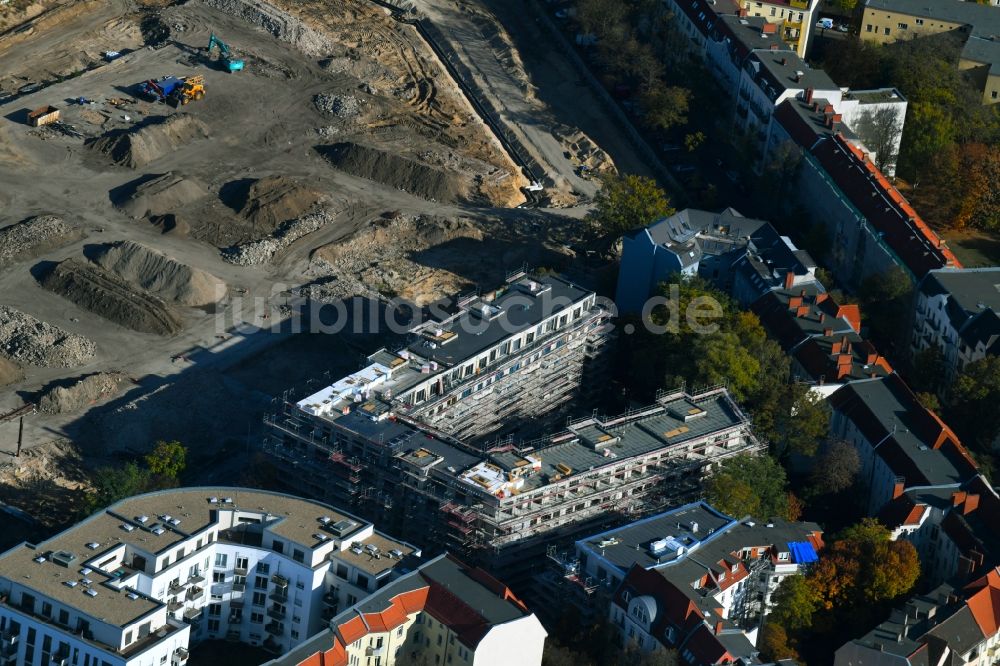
(158, 530)
(127, 527)
(141, 519)
(90, 592)
(228, 500)
(40, 559)
(63, 558)
(85, 571)
(325, 519)
(93, 545)
(213, 500)
(396, 553)
(86, 581)
(70, 583)
(175, 521)
(320, 537)
(133, 596)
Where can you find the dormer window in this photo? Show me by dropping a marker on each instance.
(734, 568)
(783, 556)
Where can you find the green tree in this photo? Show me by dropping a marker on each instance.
(880, 131)
(795, 602)
(721, 359)
(601, 17)
(749, 484)
(693, 141)
(167, 460)
(775, 643)
(116, 483)
(886, 300)
(835, 469)
(628, 202)
(665, 106)
(972, 402)
(803, 422)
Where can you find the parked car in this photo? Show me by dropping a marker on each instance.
(682, 168)
(825, 23)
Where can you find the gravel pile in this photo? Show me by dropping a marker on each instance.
(84, 393)
(33, 236)
(27, 340)
(282, 25)
(341, 106)
(261, 251)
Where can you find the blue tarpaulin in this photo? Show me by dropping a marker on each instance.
(802, 552)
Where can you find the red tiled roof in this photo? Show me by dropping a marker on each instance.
(902, 229)
(984, 602)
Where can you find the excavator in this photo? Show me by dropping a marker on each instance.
(192, 87)
(231, 64)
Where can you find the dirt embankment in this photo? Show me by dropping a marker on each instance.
(104, 293)
(161, 195)
(149, 141)
(25, 339)
(159, 274)
(275, 199)
(396, 171)
(34, 237)
(10, 372)
(83, 393)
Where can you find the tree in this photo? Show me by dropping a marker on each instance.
(628, 202)
(880, 130)
(167, 460)
(836, 468)
(795, 602)
(693, 141)
(601, 17)
(115, 483)
(928, 370)
(886, 303)
(973, 401)
(980, 198)
(803, 422)
(749, 484)
(774, 643)
(722, 359)
(665, 106)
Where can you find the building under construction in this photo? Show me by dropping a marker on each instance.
(500, 506)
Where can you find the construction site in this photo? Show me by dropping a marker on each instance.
(176, 174)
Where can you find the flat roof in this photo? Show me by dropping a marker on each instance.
(485, 324)
(785, 69)
(190, 512)
(373, 558)
(972, 289)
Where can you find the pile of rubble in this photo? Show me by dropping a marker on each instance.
(261, 251)
(29, 341)
(29, 238)
(82, 394)
(341, 106)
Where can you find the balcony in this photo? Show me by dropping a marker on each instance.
(331, 598)
(329, 613)
(375, 651)
(192, 614)
(276, 613)
(279, 581)
(281, 596)
(233, 634)
(239, 587)
(176, 587)
(241, 571)
(196, 579)
(195, 593)
(276, 628)
(59, 660)
(179, 657)
(174, 606)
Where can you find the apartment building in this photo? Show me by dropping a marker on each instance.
(955, 312)
(901, 443)
(976, 25)
(821, 337)
(793, 19)
(691, 579)
(486, 365)
(955, 528)
(443, 613)
(502, 504)
(141, 581)
(954, 625)
(870, 225)
(742, 256)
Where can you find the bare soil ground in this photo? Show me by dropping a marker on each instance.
(142, 204)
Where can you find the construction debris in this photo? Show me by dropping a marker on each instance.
(29, 341)
(82, 394)
(33, 237)
(261, 251)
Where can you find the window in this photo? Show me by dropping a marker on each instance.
(919, 21)
(128, 638)
(258, 598)
(298, 555)
(242, 562)
(993, 94)
(868, 28)
(260, 583)
(220, 559)
(902, 26)
(363, 581)
(46, 609)
(219, 577)
(213, 625)
(215, 609)
(295, 634)
(299, 585)
(263, 568)
(773, 11)
(256, 617)
(886, 30)
(278, 546)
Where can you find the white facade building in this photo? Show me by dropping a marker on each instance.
(138, 583)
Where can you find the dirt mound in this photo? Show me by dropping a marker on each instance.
(171, 224)
(159, 274)
(282, 25)
(111, 297)
(82, 394)
(161, 195)
(10, 372)
(27, 340)
(261, 251)
(396, 171)
(154, 138)
(276, 199)
(33, 237)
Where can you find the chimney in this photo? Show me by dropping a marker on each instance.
(822, 317)
(802, 311)
(837, 118)
(828, 108)
(897, 489)
(835, 347)
(971, 504)
(789, 279)
(809, 95)
(871, 357)
(773, 47)
(958, 497)
(718, 628)
(802, 293)
(829, 120)
(784, 61)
